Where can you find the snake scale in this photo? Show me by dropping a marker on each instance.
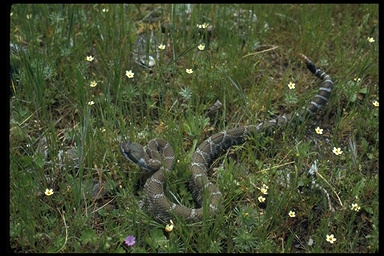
(158, 157)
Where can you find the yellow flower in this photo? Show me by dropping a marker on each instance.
(331, 238)
(90, 58)
(261, 199)
(375, 103)
(292, 214)
(337, 151)
(48, 192)
(189, 70)
(291, 85)
(169, 227)
(370, 39)
(201, 47)
(319, 130)
(129, 73)
(355, 207)
(93, 84)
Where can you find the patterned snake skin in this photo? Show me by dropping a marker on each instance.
(158, 157)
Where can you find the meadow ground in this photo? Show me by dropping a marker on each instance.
(80, 85)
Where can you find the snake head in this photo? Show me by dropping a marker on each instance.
(135, 153)
(132, 151)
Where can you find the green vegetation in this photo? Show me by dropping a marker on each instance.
(65, 133)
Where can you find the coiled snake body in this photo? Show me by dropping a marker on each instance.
(158, 157)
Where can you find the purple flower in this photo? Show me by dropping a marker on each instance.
(130, 240)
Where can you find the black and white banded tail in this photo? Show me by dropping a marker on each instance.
(322, 96)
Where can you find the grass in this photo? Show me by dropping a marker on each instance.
(250, 57)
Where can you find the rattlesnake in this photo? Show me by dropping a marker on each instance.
(158, 156)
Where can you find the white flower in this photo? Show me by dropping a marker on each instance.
(161, 46)
(90, 58)
(331, 238)
(291, 85)
(129, 73)
(93, 84)
(370, 39)
(48, 192)
(319, 130)
(264, 189)
(355, 207)
(337, 151)
(261, 199)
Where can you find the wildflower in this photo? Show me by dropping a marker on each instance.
(337, 151)
(370, 39)
(169, 227)
(355, 207)
(375, 103)
(161, 46)
(104, 10)
(291, 85)
(129, 73)
(261, 199)
(331, 238)
(130, 240)
(90, 58)
(29, 16)
(204, 25)
(48, 192)
(357, 79)
(93, 84)
(292, 214)
(201, 47)
(90, 103)
(264, 189)
(189, 70)
(319, 130)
